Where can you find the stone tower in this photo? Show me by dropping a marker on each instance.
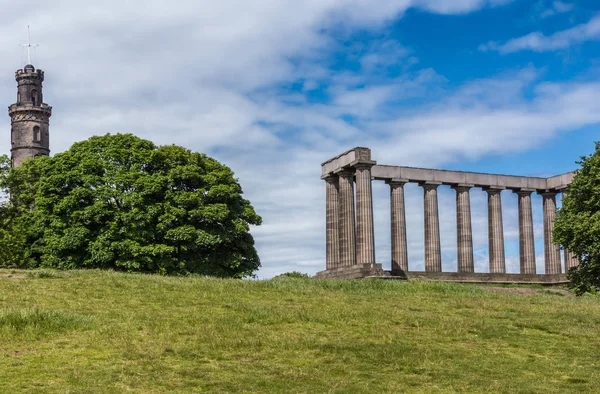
(30, 117)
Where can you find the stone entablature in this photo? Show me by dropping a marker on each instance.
(350, 232)
(445, 177)
(347, 159)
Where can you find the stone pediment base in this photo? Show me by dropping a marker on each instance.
(366, 271)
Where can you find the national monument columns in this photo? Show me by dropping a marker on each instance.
(433, 249)
(398, 230)
(350, 229)
(365, 229)
(464, 231)
(332, 214)
(347, 233)
(526, 237)
(551, 250)
(570, 259)
(495, 231)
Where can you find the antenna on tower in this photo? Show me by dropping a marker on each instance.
(29, 45)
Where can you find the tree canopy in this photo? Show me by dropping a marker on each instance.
(577, 224)
(121, 202)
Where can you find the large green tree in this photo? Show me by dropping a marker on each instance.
(123, 203)
(578, 223)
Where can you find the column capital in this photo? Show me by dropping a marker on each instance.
(364, 165)
(343, 172)
(330, 178)
(549, 194)
(429, 185)
(524, 192)
(493, 189)
(461, 187)
(395, 182)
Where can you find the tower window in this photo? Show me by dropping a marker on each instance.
(19, 98)
(37, 137)
(33, 97)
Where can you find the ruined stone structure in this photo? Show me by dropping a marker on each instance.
(350, 232)
(30, 117)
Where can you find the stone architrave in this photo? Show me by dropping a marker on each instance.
(495, 231)
(346, 224)
(570, 259)
(526, 236)
(332, 213)
(433, 252)
(464, 231)
(398, 229)
(365, 229)
(551, 250)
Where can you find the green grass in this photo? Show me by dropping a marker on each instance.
(36, 323)
(104, 332)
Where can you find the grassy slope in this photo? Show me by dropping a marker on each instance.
(109, 332)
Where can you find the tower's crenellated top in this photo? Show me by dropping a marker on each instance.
(29, 72)
(29, 90)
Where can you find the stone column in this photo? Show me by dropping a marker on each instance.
(570, 259)
(551, 250)
(526, 237)
(346, 226)
(495, 231)
(398, 220)
(365, 230)
(433, 253)
(464, 231)
(332, 214)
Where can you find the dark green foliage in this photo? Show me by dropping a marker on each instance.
(578, 224)
(120, 202)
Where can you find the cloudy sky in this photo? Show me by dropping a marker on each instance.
(274, 87)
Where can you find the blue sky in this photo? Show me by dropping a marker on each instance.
(274, 87)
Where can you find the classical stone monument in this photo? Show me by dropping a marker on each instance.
(30, 117)
(351, 237)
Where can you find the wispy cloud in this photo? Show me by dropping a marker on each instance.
(557, 7)
(538, 42)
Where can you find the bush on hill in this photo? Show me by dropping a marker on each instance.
(121, 202)
(293, 274)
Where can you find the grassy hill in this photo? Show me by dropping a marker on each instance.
(90, 331)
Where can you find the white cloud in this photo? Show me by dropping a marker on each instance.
(538, 42)
(458, 6)
(557, 7)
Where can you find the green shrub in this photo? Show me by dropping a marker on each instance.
(293, 274)
(120, 202)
